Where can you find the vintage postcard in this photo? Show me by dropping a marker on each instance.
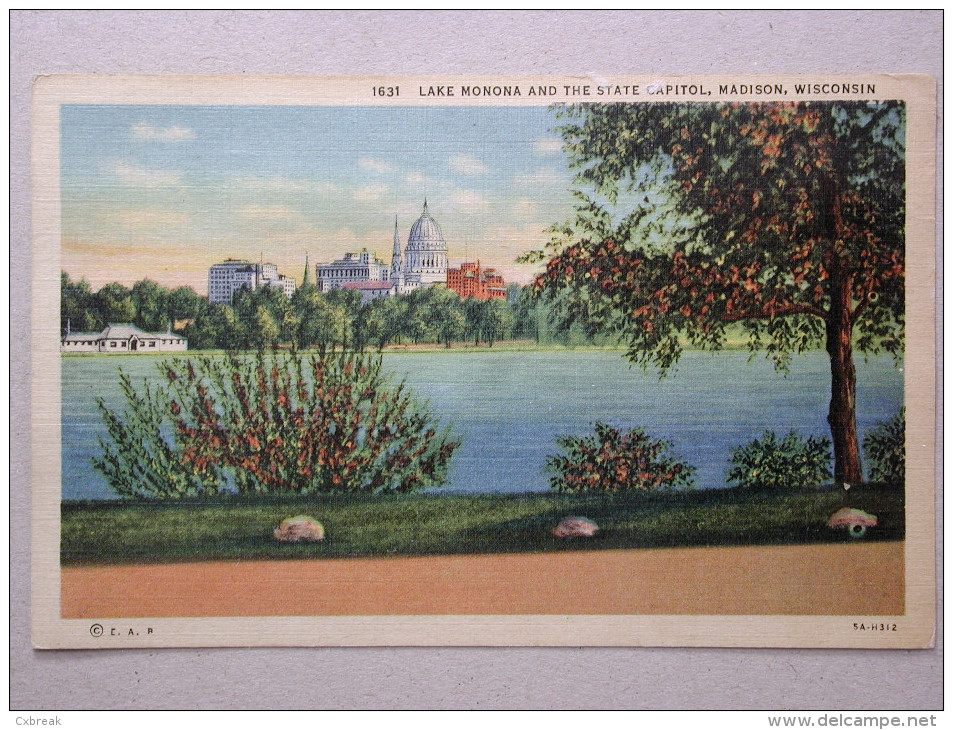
(483, 361)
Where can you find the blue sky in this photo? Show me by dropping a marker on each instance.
(165, 191)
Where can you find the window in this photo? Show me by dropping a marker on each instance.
(112, 344)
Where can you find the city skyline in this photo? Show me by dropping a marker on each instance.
(164, 192)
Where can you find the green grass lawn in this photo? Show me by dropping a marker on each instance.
(241, 528)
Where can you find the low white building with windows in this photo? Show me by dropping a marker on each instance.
(119, 339)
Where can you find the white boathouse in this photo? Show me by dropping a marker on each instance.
(118, 339)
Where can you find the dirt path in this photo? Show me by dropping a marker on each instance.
(857, 579)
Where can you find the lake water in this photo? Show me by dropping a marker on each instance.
(509, 407)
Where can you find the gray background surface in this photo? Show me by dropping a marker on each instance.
(422, 42)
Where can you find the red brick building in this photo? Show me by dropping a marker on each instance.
(472, 280)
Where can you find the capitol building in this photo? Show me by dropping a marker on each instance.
(421, 263)
(425, 257)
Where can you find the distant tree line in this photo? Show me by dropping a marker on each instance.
(322, 321)
(147, 305)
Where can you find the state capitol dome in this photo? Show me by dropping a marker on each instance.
(425, 234)
(425, 258)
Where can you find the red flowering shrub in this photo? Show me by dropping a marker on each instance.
(610, 461)
(331, 423)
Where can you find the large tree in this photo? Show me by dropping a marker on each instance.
(444, 312)
(184, 303)
(383, 319)
(77, 305)
(785, 220)
(261, 313)
(113, 304)
(321, 324)
(498, 320)
(475, 311)
(152, 306)
(214, 326)
(350, 301)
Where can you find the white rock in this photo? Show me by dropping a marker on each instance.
(299, 529)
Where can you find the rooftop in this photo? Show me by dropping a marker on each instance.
(119, 332)
(367, 285)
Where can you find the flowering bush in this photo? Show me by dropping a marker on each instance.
(772, 463)
(610, 461)
(885, 451)
(139, 459)
(331, 423)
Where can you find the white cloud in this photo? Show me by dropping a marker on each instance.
(149, 220)
(326, 187)
(544, 178)
(370, 193)
(169, 134)
(374, 165)
(140, 177)
(417, 178)
(468, 165)
(267, 212)
(270, 184)
(470, 200)
(548, 145)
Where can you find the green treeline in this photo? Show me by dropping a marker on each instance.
(147, 305)
(321, 321)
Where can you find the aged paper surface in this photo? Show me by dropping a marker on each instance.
(706, 530)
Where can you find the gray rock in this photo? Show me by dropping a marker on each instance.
(576, 527)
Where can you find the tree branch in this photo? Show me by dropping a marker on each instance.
(858, 310)
(788, 311)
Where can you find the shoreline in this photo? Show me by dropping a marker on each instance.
(506, 346)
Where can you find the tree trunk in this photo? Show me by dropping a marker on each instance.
(842, 415)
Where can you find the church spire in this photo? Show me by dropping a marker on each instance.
(395, 259)
(305, 281)
(425, 206)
